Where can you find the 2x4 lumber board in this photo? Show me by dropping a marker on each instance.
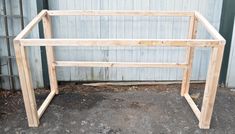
(31, 25)
(193, 25)
(50, 53)
(28, 93)
(215, 34)
(187, 71)
(120, 42)
(116, 13)
(193, 105)
(29, 86)
(117, 64)
(45, 104)
(189, 56)
(137, 83)
(211, 87)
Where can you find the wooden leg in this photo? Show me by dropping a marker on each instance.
(211, 86)
(187, 71)
(50, 54)
(52, 70)
(26, 85)
(189, 56)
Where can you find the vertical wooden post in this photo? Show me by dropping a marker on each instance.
(50, 54)
(189, 56)
(26, 85)
(211, 86)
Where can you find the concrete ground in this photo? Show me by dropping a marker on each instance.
(117, 110)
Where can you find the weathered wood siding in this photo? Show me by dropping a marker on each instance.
(14, 27)
(114, 27)
(130, 27)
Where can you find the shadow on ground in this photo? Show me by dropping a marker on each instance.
(117, 110)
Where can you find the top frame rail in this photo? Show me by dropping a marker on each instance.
(120, 42)
(213, 32)
(31, 25)
(117, 13)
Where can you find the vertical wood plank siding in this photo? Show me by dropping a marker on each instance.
(14, 27)
(130, 27)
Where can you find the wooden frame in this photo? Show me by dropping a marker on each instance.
(216, 44)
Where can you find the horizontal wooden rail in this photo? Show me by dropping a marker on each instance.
(120, 42)
(117, 64)
(117, 13)
(31, 25)
(209, 27)
(45, 103)
(193, 106)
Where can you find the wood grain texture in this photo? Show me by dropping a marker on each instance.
(45, 104)
(50, 54)
(26, 85)
(189, 56)
(118, 64)
(211, 86)
(121, 42)
(192, 105)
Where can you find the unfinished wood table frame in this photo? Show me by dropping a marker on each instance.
(216, 44)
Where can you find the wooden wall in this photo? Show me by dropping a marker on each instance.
(130, 27)
(14, 27)
(116, 27)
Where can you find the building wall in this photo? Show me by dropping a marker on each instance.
(14, 27)
(130, 27)
(115, 27)
(230, 82)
